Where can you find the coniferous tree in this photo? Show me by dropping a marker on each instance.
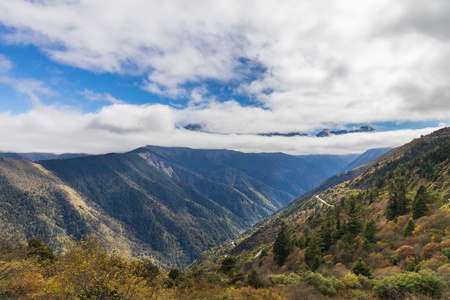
(282, 245)
(314, 250)
(354, 222)
(419, 205)
(402, 200)
(326, 233)
(360, 268)
(409, 228)
(370, 231)
(398, 203)
(366, 245)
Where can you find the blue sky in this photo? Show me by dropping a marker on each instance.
(102, 76)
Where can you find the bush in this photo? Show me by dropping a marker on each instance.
(278, 279)
(255, 280)
(351, 281)
(283, 279)
(326, 285)
(397, 286)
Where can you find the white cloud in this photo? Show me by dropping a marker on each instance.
(28, 86)
(123, 127)
(320, 62)
(5, 64)
(105, 97)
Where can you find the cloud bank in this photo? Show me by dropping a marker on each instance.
(123, 127)
(302, 65)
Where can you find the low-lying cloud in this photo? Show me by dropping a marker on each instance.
(123, 127)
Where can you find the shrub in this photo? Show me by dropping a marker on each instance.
(326, 285)
(446, 252)
(444, 273)
(397, 286)
(351, 281)
(293, 278)
(278, 279)
(255, 280)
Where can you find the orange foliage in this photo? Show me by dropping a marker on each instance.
(431, 248)
(29, 283)
(411, 241)
(403, 252)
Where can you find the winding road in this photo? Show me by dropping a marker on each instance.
(324, 201)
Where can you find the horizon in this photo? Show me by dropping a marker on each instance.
(99, 77)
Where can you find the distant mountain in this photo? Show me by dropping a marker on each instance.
(35, 156)
(194, 127)
(327, 132)
(366, 157)
(323, 133)
(289, 134)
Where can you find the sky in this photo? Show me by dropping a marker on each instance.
(98, 76)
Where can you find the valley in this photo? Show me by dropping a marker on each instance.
(216, 224)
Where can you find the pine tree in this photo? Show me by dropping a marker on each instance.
(370, 231)
(419, 205)
(313, 252)
(409, 228)
(360, 268)
(354, 222)
(326, 233)
(282, 245)
(398, 203)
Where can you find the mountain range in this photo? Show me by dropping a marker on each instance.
(324, 133)
(167, 204)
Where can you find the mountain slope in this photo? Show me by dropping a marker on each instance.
(292, 175)
(365, 158)
(394, 217)
(168, 204)
(174, 221)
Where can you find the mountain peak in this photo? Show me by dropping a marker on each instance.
(365, 128)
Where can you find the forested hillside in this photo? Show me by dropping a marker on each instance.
(385, 233)
(166, 204)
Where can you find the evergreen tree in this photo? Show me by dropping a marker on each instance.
(402, 200)
(360, 268)
(326, 233)
(370, 231)
(409, 228)
(354, 222)
(314, 250)
(366, 245)
(282, 245)
(228, 266)
(398, 203)
(419, 205)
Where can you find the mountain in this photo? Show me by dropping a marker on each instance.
(324, 133)
(35, 156)
(194, 127)
(327, 132)
(386, 225)
(364, 158)
(289, 134)
(167, 204)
